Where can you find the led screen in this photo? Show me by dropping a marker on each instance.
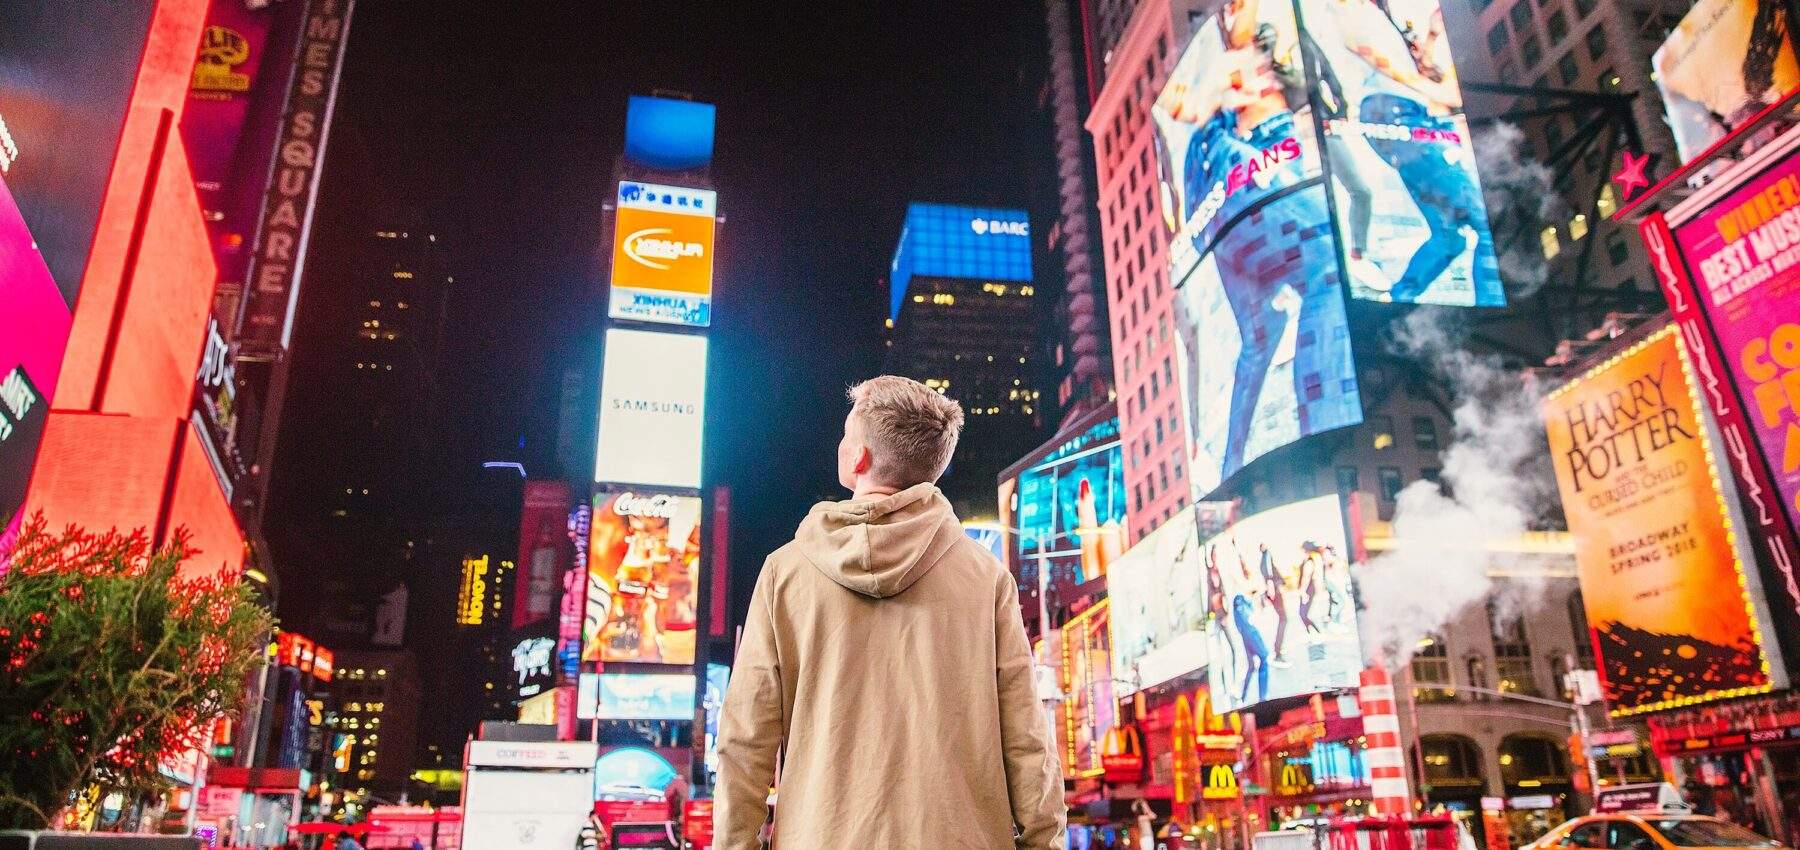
(662, 266)
(1726, 61)
(1089, 710)
(1280, 617)
(1391, 108)
(643, 590)
(718, 676)
(989, 536)
(1158, 612)
(1071, 507)
(1264, 340)
(644, 696)
(543, 551)
(667, 134)
(652, 409)
(1233, 126)
(633, 774)
(941, 240)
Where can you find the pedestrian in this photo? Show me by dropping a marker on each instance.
(345, 841)
(884, 664)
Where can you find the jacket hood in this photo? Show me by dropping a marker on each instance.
(880, 546)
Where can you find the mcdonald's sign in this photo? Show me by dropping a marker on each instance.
(1122, 755)
(1221, 783)
(1218, 740)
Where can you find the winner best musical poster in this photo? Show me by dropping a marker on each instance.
(1666, 596)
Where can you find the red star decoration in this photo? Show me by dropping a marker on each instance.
(1631, 177)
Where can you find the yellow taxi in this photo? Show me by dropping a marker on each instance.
(1647, 817)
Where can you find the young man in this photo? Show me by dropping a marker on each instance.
(884, 665)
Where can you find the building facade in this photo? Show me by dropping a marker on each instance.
(379, 703)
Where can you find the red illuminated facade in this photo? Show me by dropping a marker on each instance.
(119, 449)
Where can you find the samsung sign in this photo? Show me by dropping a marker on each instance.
(652, 409)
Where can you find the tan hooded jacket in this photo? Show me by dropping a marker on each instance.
(884, 652)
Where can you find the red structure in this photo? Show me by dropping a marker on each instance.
(119, 449)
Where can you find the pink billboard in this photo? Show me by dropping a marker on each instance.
(544, 552)
(34, 327)
(1742, 256)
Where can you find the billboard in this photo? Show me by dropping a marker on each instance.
(1280, 616)
(1666, 596)
(1158, 612)
(66, 74)
(633, 774)
(943, 240)
(543, 551)
(532, 666)
(669, 135)
(641, 696)
(718, 677)
(1391, 110)
(643, 589)
(1070, 512)
(1726, 61)
(472, 593)
(652, 409)
(1089, 712)
(1261, 327)
(662, 256)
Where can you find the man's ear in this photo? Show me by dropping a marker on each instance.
(864, 460)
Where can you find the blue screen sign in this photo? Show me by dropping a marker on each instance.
(944, 240)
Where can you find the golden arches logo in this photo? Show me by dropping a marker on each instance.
(1221, 783)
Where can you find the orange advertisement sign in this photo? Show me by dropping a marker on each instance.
(662, 258)
(1666, 597)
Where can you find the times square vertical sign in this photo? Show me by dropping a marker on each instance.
(1728, 259)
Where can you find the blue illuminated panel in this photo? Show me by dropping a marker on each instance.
(941, 240)
(669, 135)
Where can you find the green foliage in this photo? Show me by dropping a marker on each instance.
(110, 659)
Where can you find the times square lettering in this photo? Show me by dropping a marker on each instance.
(1624, 428)
(299, 153)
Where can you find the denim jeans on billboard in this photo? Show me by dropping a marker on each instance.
(1256, 652)
(1447, 197)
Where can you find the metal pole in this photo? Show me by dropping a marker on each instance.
(1593, 770)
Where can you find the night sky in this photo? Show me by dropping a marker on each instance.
(501, 122)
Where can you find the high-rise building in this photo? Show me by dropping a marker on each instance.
(961, 308)
(378, 705)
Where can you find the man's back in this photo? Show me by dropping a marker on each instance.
(884, 651)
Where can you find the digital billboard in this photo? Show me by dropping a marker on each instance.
(1233, 126)
(1740, 256)
(667, 134)
(1070, 512)
(718, 677)
(662, 256)
(1158, 611)
(944, 240)
(543, 551)
(1089, 712)
(1280, 615)
(644, 696)
(1726, 61)
(633, 774)
(643, 589)
(1666, 595)
(1391, 109)
(1264, 339)
(532, 665)
(652, 409)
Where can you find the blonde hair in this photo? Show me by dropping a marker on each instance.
(910, 429)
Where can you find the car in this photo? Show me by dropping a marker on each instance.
(1649, 830)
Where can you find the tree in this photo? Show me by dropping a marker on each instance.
(110, 660)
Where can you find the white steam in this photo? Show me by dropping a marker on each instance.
(1493, 484)
(1521, 200)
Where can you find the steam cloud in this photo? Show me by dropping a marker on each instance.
(1521, 198)
(1494, 483)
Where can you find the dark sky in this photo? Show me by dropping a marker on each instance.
(502, 121)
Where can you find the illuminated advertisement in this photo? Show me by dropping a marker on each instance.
(472, 593)
(942, 240)
(1280, 618)
(1745, 270)
(66, 74)
(543, 551)
(662, 258)
(1665, 593)
(667, 134)
(531, 664)
(1071, 506)
(1391, 108)
(1261, 326)
(1233, 126)
(988, 536)
(1726, 61)
(1089, 712)
(718, 677)
(633, 774)
(1158, 610)
(652, 409)
(643, 696)
(643, 590)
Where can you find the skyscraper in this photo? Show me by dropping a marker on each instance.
(961, 308)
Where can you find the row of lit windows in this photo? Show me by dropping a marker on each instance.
(359, 707)
(398, 305)
(376, 367)
(361, 672)
(402, 234)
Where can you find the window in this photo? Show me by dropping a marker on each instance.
(1521, 17)
(1432, 474)
(1609, 80)
(1425, 433)
(1497, 37)
(1608, 200)
(1530, 50)
(1557, 26)
(1588, 835)
(1478, 675)
(1451, 761)
(1693, 832)
(1349, 479)
(1383, 428)
(1159, 432)
(1585, 8)
(1567, 69)
(1430, 665)
(1528, 761)
(1512, 655)
(1390, 481)
(1552, 245)
(1596, 42)
(1578, 227)
(1616, 249)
